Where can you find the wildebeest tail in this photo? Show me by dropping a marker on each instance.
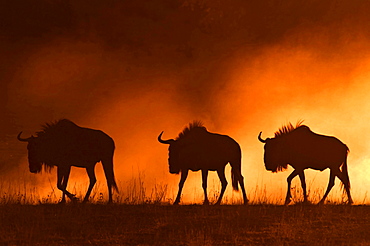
(109, 173)
(345, 172)
(112, 180)
(235, 174)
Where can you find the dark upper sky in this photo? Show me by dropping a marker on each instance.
(131, 37)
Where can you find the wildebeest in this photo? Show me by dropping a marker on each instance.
(301, 148)
(64, 144)
(197, 149)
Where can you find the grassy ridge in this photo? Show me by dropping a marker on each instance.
(144, 217)
(95, 224)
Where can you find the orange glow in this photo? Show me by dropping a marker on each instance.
(133, 93)
(278, 86)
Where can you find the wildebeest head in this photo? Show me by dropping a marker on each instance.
(277, 151)
(275, 157)
(34, 158)
(173, 154)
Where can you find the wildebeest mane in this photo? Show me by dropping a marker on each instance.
(55, 126)
(193, 126)
(288, 128)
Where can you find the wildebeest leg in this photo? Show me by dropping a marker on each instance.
(221, 175)
(91, 174)
(289, 180)
(204, 185)
(345, 182)
(64, 184)
(184, 175)
(63, 174)
(303, 183)
(330, 185)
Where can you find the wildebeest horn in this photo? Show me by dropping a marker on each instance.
(22, 139)
(259, 138)
(169, 141)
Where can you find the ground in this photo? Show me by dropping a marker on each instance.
(98, 224)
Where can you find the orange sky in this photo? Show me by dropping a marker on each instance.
(135, 70)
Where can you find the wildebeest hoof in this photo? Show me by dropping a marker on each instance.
(74, 199)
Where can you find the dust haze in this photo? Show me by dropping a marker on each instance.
(136, 68)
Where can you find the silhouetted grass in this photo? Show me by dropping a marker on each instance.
(132, 192)
(145, 217)
(135, 192)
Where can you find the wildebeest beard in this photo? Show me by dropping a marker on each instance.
(174, 167)
(275, 158)
(279, 168)
(37, 164)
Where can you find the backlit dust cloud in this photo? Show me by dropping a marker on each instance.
(134, 69)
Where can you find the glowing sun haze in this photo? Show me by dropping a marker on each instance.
(134, 70)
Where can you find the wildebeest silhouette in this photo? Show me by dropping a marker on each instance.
(64, 144)
(197, 149)
(301, 148)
